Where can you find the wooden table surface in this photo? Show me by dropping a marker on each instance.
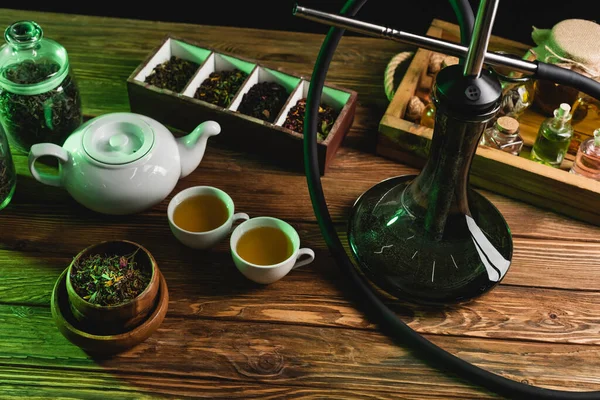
(305, 336)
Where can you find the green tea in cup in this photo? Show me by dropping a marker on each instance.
(200, 213)
(200, 216)
(265, 249)
(265, 245)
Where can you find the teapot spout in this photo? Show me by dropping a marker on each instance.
(192, 146)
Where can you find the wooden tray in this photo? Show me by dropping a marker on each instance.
(516, 177)
(271, 140)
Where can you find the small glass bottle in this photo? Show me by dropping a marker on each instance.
(586, 118)
(428, 115)
(503, 135)
(553, 138)
(8, 175)
(587, 161)
(516, 98)
(39, 98)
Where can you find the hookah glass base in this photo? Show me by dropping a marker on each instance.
(396, 253)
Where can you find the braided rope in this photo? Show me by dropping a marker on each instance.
(390, 70)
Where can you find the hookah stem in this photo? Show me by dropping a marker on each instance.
(456, 136)
(450, 155)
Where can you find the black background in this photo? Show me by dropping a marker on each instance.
(514, 20)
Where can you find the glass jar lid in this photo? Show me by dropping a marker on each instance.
(118, 138)
(29, 63)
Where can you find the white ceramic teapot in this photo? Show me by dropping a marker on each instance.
(123, 163)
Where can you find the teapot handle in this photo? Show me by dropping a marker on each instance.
(46, 149)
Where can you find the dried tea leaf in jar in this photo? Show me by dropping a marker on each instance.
(39, 98)
(8, 175)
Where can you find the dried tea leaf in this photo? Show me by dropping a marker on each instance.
(109, 280)
(172, 74)
(295, 119)
(47, 117)
(7, 176)
(264, 100)
(221, 87)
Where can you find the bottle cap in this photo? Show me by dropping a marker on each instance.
(507, 124)
(597, 137)
(562, 112)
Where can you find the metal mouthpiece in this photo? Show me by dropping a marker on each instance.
(479, 54)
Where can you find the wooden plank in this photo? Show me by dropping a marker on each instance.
(51, 383)
(319, 295)
(353, 174)
(541, 263)
(302, 356)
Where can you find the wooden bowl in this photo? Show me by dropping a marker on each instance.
(123, 317)
(96, 344)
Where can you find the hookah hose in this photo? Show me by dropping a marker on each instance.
(394, 327)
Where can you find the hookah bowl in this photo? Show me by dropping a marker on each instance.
(430, 238)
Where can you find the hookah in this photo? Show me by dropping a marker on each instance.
(430, 238)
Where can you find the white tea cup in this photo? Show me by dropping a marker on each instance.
(266, 274)
(206, 239)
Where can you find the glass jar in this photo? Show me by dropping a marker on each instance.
(428, 115)
(8, 175)
(516, 98)
(570, 44)
(503, 135)
(517, 90)
(39, 98)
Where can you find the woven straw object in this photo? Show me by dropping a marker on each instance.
(572, 44)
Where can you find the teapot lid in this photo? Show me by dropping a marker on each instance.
(118, 138)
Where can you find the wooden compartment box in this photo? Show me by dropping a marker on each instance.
(181, 110)
(492, 169)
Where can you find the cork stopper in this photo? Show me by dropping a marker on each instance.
(507, 124)
(578, 40)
